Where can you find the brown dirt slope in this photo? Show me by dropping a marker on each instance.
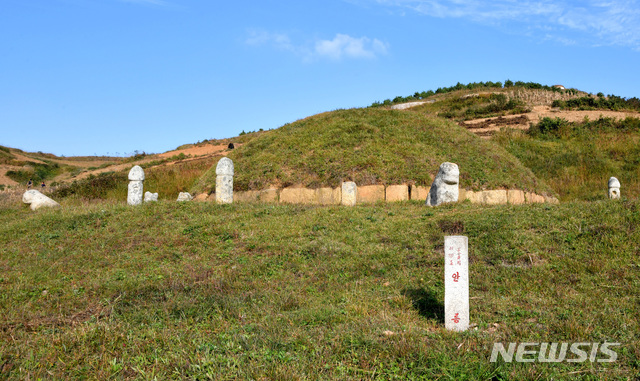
(486, 127)
(83, 167)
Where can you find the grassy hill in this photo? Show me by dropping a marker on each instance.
(202, 291)
(371, 146)
(377, 145)
(167, 290)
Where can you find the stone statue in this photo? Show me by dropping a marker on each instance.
(37, 200)
(614, 188)
(445, 185)
(136, 178)
(224, 181)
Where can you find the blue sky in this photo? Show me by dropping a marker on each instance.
(84, 77)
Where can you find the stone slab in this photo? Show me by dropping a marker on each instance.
(494, 197)
(246, 196)
(397, 193)
(298, 196)
(268, 195)
(551, 200)
(515, 197)
(419, 193)
(474, 197)
(456, 283)
(370, 194)
(329, 196)
(533, 198)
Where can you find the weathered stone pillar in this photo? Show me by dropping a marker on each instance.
(224, 181)
(136, 178)
(614, 188)
(445, 185)
(349, 193)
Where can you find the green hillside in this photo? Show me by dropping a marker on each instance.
(577, 159)
(371, 146)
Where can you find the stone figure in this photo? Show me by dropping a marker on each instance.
(445, 185)
(224, 181)
(136, 178)
(614, 188)
(38, 200)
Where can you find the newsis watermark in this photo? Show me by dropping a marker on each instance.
(555, 352)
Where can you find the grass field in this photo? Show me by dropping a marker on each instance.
(276, 292)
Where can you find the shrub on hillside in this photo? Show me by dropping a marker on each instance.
(40, 172)
(94, 187)
(612, 102)
(558, 127)
(469, 86)
(549, 127)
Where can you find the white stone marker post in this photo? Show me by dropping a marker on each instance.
(349, 193)
(136, 178)
(456, 283)
(614, 188)
(224, 181)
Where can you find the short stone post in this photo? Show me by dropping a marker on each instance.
(136, 178)
(456, 283)
(224, 181)
(349, 193)
(150, 197)
(614, 188)
(445, 185)
(184, 196)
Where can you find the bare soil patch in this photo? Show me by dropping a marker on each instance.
(208, 149)
(486, 127)
(4, 180)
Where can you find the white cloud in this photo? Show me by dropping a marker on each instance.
(278, 40)
(340, 47)
(596, 22)
(346, 46)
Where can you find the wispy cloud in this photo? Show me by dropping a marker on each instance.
(595, 22)
(342, 46)
(346, 46)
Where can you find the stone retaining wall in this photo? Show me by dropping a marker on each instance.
(380, 193)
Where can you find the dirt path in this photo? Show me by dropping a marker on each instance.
(197, 152)
(208, 149)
